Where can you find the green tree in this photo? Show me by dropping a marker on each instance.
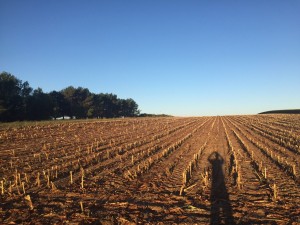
(84, 101)
(131, 108)
(110, 105)
(98, 106)
(80, 101)
(12, 93)
(59, 104)
(69, 94)
(39, 105)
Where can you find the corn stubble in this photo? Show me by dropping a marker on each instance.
(118, 168)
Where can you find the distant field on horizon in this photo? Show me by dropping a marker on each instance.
(282, 111)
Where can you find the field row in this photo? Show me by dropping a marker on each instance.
(233, 169)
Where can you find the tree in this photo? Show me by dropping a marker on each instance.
(39, 106)
(80, 101)
(59, 104)
(68, 94)
(26, 92)
(84, 101)
(132, 107)
(110, 107)
(12, 94)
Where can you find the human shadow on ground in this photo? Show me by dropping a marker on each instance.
(221, 211)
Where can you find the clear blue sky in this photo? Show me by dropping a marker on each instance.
(183, 58)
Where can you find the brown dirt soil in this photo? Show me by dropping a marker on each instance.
(198, 170)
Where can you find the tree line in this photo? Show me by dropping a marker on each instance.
(18, 101)
(282, 111)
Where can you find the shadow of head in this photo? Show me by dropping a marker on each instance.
(215, 157)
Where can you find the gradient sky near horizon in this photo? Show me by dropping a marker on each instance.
(185, 58)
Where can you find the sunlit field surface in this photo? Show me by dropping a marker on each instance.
(193, 170)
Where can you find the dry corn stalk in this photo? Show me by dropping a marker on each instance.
(16, 178)
(294, 170)
(23, 187)
(205, 178)
(71, 177)
(181, 190)
(19, 178)
(275, 192)
(10, 187)
(29, 202)
(265, 173)
(81, 206)
(26, 178)
(38, 181)
(184, 177)
(239, 180)
(82, 176)
(2, 187)
(53, 187)
(48, 181)
(18, 190)
(56, 173)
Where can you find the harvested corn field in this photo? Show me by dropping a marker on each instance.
(197, 170)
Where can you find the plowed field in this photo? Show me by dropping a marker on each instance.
(197, 170)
